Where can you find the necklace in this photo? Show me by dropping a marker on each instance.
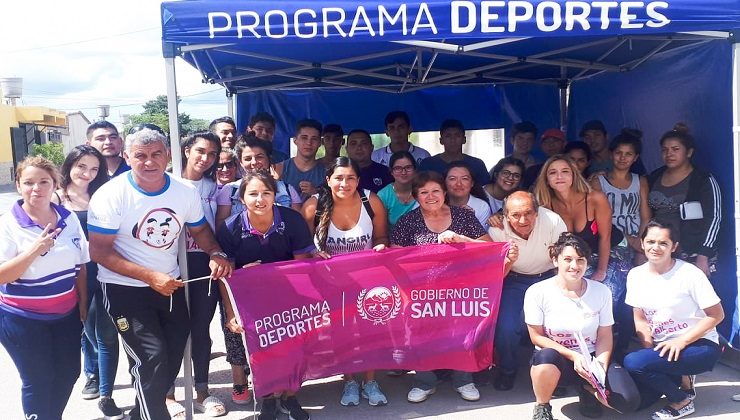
(579, 293)
(405, 200)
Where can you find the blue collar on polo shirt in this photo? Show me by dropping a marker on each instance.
(25, 221)
(277, 225)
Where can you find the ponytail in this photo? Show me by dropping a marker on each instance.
(324, 208)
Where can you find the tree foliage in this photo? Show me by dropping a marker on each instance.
(155, 112)
(52, 151)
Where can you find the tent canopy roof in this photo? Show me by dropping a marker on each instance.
(259, 45)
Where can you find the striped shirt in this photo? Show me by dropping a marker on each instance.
(46, 290)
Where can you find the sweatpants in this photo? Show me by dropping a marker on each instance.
(47, 356)
(154, 340)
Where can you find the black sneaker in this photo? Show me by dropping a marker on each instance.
(542, 412)
(91, 389)
(504, 381)
(109, 409)
(269, 409)
(293, 409)
(588, 405)
(482, 378)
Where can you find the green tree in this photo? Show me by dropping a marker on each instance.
(52, 151)
(155, 112)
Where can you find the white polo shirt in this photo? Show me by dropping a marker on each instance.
(47, 289)
(534, 255)
(383, 155)
(146, 225)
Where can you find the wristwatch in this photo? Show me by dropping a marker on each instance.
(219, 254)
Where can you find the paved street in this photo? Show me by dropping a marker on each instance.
(322, 398)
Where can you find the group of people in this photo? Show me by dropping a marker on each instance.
(96, 245)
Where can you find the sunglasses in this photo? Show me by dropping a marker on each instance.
(226, 165)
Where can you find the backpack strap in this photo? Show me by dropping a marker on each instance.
(366, 202)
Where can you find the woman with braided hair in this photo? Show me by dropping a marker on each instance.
(344, 219)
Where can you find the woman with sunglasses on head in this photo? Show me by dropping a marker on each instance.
(396, 196)
(676, 313)
(253, 153)
(506, 178)
(43, 290)
(346, 219)
(83, 172)
(199, 153)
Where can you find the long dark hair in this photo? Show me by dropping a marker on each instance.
(71, 160)
(210, 173)
(325, 202)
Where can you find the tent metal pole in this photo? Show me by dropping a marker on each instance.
(736, 164)
(229, 104)
(169, 63)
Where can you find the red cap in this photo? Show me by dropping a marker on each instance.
(553, 132)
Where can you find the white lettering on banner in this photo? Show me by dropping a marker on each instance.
(462, 302)
(292, 323)
(488, 16)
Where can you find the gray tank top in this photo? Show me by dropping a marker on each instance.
(625, 204)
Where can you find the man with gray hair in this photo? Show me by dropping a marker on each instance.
(532, 229)
(135, 221)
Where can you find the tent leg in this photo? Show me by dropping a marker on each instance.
(736, 161)
(564, 88)
(182, 252)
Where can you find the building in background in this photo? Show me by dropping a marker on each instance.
(75, 132)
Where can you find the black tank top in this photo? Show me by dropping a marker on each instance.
(590, 232)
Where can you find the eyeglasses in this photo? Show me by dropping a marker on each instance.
(399, 169)
(516, 176)
(225, 166)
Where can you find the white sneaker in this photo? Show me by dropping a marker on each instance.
(469, 392)
(417, 395)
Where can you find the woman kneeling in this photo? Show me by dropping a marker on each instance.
(676, 311)
(560, 312)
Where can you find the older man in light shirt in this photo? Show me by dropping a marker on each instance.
(532, 229)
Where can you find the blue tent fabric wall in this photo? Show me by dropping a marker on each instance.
(476, 106)
(690, 85)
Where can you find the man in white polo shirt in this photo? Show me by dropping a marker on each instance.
(532, 229)
(135, 221)
(398, 128)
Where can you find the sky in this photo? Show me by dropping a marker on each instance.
(75, 55)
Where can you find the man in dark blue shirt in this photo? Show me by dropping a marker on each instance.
(452, 137)
(373, 175)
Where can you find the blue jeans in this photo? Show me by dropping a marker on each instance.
(656, 376)
(102, 336)
(47, 356)
(510, 326)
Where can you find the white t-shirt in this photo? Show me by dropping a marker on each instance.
(546, 305)
(482, 210)
(494, 202)
(383, 155)
(207, 190)
(534, 256)
(146, 225)
(672, 302)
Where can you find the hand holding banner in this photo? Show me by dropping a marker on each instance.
(419, 308)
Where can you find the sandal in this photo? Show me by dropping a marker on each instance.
(211, 407)
(176, 410)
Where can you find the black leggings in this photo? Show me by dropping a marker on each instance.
(622, 396)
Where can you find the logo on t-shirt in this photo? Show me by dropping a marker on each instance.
(159, 228)
(379, 305)
(377, 181)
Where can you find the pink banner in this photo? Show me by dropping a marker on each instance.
(418, 308)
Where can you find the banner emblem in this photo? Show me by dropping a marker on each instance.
(379, 305)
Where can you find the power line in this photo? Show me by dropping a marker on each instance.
(83, 41)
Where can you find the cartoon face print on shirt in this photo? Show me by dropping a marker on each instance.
(159, 228)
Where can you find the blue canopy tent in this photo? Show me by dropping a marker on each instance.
(489, 63)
